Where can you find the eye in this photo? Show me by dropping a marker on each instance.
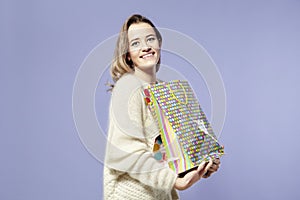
(151, 39)
(135, 44)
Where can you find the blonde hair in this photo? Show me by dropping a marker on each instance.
(121, 64)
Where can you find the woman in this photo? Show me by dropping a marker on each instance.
(131, 171)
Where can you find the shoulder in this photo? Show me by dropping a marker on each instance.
(127, 80)
(128, 91)
(127, 85)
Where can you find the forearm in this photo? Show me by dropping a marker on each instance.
(163, 179)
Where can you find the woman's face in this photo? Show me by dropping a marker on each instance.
(144, 48)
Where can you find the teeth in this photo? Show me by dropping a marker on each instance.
(147, 55)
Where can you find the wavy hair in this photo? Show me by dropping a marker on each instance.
(121, 64)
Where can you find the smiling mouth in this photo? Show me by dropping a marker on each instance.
(148, 55)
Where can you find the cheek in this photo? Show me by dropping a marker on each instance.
(157, 49)
(133, 55)
(158, 54)
(157, 45)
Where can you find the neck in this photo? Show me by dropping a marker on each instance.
(148, 75)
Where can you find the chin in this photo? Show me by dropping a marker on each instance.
(147, 66)
(150, 64)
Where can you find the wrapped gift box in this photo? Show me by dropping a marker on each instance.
(186, 135)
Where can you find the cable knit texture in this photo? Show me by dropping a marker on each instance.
(130, 170)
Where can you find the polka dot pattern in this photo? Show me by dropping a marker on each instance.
(179, 105)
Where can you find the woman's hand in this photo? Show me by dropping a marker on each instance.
(215, 166)
(192, 177)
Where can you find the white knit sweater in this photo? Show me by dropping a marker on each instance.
(130, 170)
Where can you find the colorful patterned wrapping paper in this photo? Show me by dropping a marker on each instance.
(187, 136)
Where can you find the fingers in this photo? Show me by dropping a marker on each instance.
(201, 170)
(209, 165)
(207, 174)
(202, 166)
(217, 161)
(205, 169)
(213, 168)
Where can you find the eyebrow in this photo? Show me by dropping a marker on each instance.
(151, 34)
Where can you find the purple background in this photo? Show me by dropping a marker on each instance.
(255, 45)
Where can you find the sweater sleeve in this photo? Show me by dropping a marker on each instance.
(127, 149)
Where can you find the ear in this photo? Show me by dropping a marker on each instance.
(129, 61)
(128, 57)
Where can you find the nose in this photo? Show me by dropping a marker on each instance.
(146, 47)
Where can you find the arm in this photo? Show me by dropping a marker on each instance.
(192, 177)
(130, 155)
(127, 148)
